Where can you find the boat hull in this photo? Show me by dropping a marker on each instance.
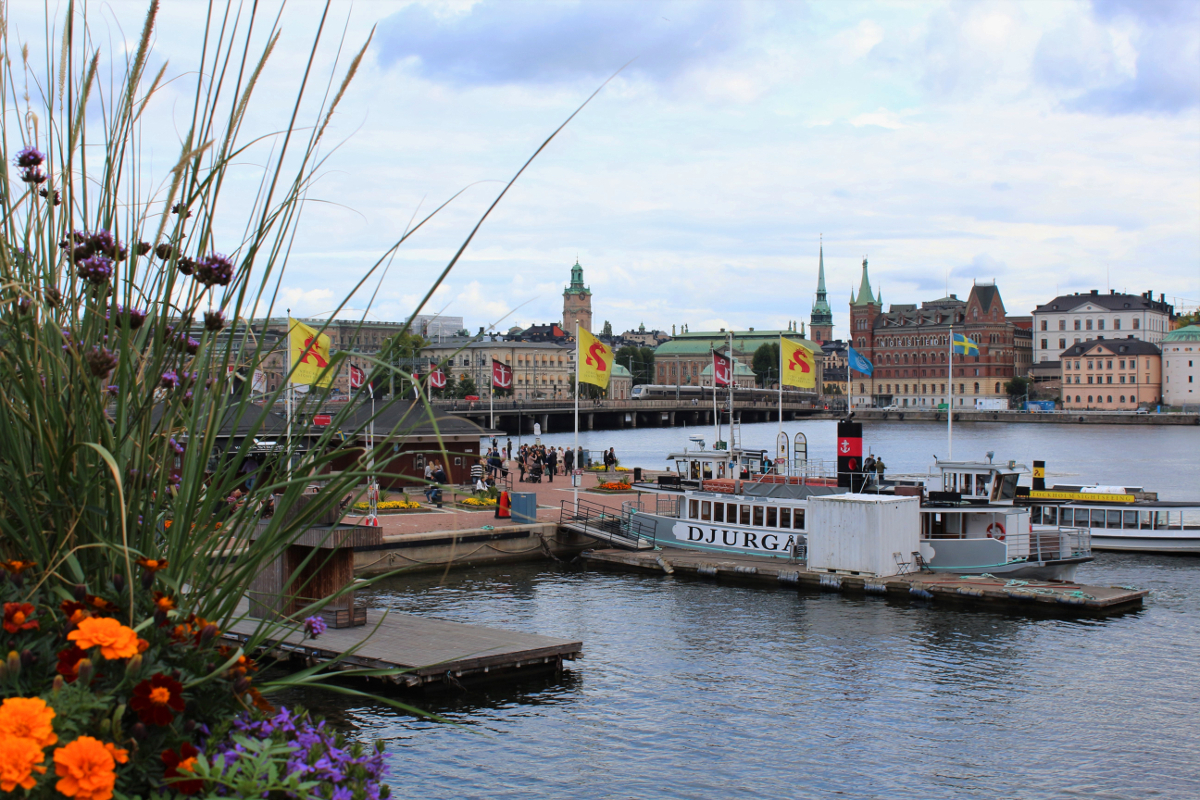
(694, 535)
(1171, 545)
(1060, 570)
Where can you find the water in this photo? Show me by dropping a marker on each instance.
(693, 689)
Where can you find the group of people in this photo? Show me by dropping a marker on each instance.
(875, 465)
(538, 460)
(435, 476)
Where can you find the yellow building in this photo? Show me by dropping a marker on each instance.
(1111, 375)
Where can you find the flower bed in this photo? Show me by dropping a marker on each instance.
(613, 487)
(390, 505)
(477, 502)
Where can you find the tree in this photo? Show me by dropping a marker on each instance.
(639, 361)
(1018, 387)
(606, 331)
(466, 386)
(765, 362)
(401, 351)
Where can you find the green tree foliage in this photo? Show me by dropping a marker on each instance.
(639, 361)
(1017, 387)
(397, 353)
(766, 363)
(466, 386)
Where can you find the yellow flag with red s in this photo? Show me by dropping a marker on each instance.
(593, 360)
(799, 364)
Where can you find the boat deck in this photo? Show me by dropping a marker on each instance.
(428, 650)
(1032, 596)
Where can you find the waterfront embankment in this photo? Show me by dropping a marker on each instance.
(1033, 417)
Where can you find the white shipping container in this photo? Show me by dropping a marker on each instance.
(862, 533)
(991, 403)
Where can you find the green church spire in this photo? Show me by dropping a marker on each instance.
(865, 296)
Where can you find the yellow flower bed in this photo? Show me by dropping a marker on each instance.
(478, 501)
(622, 469)
(388, 505)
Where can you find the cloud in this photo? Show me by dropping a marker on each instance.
(982, 267)
(542, 42)
(1126, 58)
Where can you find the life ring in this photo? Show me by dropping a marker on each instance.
(995, 526)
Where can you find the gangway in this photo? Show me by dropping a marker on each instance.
(614, 529)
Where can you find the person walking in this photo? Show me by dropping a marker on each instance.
(568, 462)
(477, 472)
(879, 468)
(551, 464)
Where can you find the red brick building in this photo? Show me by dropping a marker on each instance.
(909, 348)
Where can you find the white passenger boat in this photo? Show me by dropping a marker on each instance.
(969, 525)
(1121, 518)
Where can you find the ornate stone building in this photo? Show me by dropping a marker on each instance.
(820, 324)
(909, 348)
(577, 302)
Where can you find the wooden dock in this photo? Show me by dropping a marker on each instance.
(1030, 596)
(428, 650)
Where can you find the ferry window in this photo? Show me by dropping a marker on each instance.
(1067, 516)
(731, 514)
(798, 519)
(1035, 515)
(758, 516)
(695, 470)
(718, 512)
(693, 508)
(1147, 520)
(1008, 487)
(1114, 519)
(1131, 520)
(785, 518)
(746, 515)
(1050, 515)
(1097, 518)
(708, 473)
(772, 517)
(706, 510)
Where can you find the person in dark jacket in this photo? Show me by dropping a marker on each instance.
(551, 464)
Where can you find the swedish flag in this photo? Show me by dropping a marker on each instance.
(964, 346)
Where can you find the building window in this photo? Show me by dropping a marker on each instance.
(977, 387)
(997, 388)
(1062, 344)
(1089, 398)
(1109, 399)
(1117, 324)
(1137, 323)
(1077, 324)
(1122, 398)
(1100, 324)
(1044, 345)
(1062, 324)
(1043, 324)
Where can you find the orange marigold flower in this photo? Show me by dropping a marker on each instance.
(114, 639)
(163, 602)
(19, 759)
(17, 566)
(86, 768)
(28, 718)
(179, 765)
(142, 645)
(74, 611)
(17, 617)
(152, 564)
(157, 699)
(243, 665)
(100, 604)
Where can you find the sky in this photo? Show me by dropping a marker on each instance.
(1053, 147)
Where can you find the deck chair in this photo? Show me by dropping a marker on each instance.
(918, 561)
(903, 565)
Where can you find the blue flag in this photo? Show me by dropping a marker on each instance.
(858, 362)
(964, 346)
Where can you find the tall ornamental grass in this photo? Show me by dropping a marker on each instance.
(123, 301)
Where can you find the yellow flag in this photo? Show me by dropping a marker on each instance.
(594, 359)
(799, 366)
(310, 355)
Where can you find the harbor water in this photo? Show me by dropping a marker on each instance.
(692, 689)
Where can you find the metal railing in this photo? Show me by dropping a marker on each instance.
(670, 506)
(598, 520)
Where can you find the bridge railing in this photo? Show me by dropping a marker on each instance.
(601, 519)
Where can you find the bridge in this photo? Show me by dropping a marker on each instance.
(556, 416)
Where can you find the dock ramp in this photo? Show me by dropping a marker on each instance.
(625, 531)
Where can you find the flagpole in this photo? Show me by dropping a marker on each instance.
(288, 395)
(950, 398)
(779, 436)
(716, 419)
(732, 375)
(577, 465)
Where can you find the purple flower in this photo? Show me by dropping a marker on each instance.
(185, 265)
(113, 389)
(29, 157)
(169, 379)
(100, 361)
(314, 627)
(214, 321)
(191, 345)
(133, 317)
(33, 175)
(187, 398)
(176, 446)
(96, 269)
(214, 269)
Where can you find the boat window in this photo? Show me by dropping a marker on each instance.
(1174, 518)
(1035, 515)
(1147, 520)
(772, 517)
(1050, 515)
(1160, 520)
(1066, 516)
(758, 516)
(1008, 487)
(1114, 519)
(706, 510)
(718, 512)
(745, 515)
(798, 519)
(694, 470)
(981, 485)
(731, 514)
(693, 508)
(1097, 518)
(1131, 519)
(785, 518)
(708, 471)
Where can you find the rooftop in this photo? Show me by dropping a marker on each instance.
(1110, 302)
(1135, 347)
(1190, 333)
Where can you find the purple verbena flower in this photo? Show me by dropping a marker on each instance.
(133, 317)
(29, 157)
(214, 269)
(176, 446)
(214, 321)
(169, 379)
(33, 175)
(314, 627)
(96, 269)
(100, 361)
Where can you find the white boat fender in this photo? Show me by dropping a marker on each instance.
(707, 569)
(746, 570)
(921, 592)
(831, 582)
(875, 587)
(789, 577)
(666, 567)
(967, 591)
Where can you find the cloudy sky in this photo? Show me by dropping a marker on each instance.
(1051, 146)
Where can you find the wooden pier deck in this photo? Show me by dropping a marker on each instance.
(1031, 596)
(429, 650)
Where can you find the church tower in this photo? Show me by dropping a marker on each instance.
(577, 302)
(864, 309)
(820, 323)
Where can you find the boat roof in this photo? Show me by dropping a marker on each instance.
(715, 455)
(1007, 468)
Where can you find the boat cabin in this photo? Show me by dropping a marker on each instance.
(981, 481)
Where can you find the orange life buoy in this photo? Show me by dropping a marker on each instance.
(995, 526)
